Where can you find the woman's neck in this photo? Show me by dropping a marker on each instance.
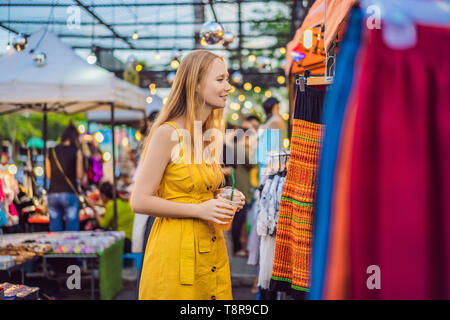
(205, 113)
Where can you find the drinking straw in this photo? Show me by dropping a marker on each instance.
(232, 188)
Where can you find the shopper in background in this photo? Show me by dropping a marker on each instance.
(243, 173)
(64, 165)
(125, 215)
(271, 138)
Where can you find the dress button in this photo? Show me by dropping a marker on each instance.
(213, 269)
(213, 297)
(214, 239)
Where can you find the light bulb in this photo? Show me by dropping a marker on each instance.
(92, 59)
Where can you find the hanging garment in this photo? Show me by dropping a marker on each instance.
(400, 173)
(291, 268)
(253, 241)
(267, 245)
(262, 216)
(185, 258)
(334, 111)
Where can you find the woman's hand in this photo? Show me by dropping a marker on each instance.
(242, 202)
(214, 209)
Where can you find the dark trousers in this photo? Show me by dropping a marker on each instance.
(239, 220)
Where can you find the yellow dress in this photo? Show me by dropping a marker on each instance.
(185, 259)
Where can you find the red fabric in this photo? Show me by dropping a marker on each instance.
(400, 177)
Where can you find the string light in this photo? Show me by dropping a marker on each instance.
(235, 106)
(285, 116)
(235, 116)
(248, 104)
(241, 98)
(257, 89)
(106, 156)
(283, 50)
(268, 94)
(247, 86)
(81, 129)
(92, 58)
(12, 169)
(252, 58)
(153, 91)
(138, 136)
(149, 99)
(138, 67)
(281, 79)
(39, 171)
(99, 137)
(286, 143)
(174, 64)
(135, 36)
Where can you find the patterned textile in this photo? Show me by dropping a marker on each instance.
(291, 268)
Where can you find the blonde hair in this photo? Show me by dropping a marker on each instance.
(185, 100)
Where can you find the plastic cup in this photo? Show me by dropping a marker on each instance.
(225, 196)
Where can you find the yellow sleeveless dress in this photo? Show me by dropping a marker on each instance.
(185, 259)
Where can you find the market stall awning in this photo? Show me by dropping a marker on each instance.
(65, 83)
(335, 12)
(126, 116)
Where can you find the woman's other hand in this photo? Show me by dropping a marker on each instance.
(214, 209)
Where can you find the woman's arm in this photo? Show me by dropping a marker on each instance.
(80, 171)
(151, 171)
(48, 169)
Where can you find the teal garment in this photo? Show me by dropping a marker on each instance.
(125, 217)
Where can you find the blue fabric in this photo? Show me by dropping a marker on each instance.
(63, 204)
(3, 219)
(334, 110)
(269, 140)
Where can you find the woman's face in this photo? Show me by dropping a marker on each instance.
(215, 86)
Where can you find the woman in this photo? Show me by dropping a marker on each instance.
(64, 164)
(186, 256)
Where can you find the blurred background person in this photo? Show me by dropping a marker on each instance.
(243, 182)
(64, 165)
(272, 134)
(125, 215)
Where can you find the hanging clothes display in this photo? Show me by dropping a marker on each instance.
(291, 266)
(266, 227)
(334, 110)
(383, 219)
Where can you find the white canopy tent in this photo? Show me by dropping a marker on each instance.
(126, 116)
(65, 83)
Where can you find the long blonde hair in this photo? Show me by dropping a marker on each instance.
(185, 100)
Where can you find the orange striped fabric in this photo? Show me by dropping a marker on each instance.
(292, 263)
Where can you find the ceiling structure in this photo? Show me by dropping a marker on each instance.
(107, 26)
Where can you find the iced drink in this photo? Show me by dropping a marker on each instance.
(225, 196)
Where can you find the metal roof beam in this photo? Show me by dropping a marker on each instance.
(140, 23)
(104, 23)
(161, 4)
